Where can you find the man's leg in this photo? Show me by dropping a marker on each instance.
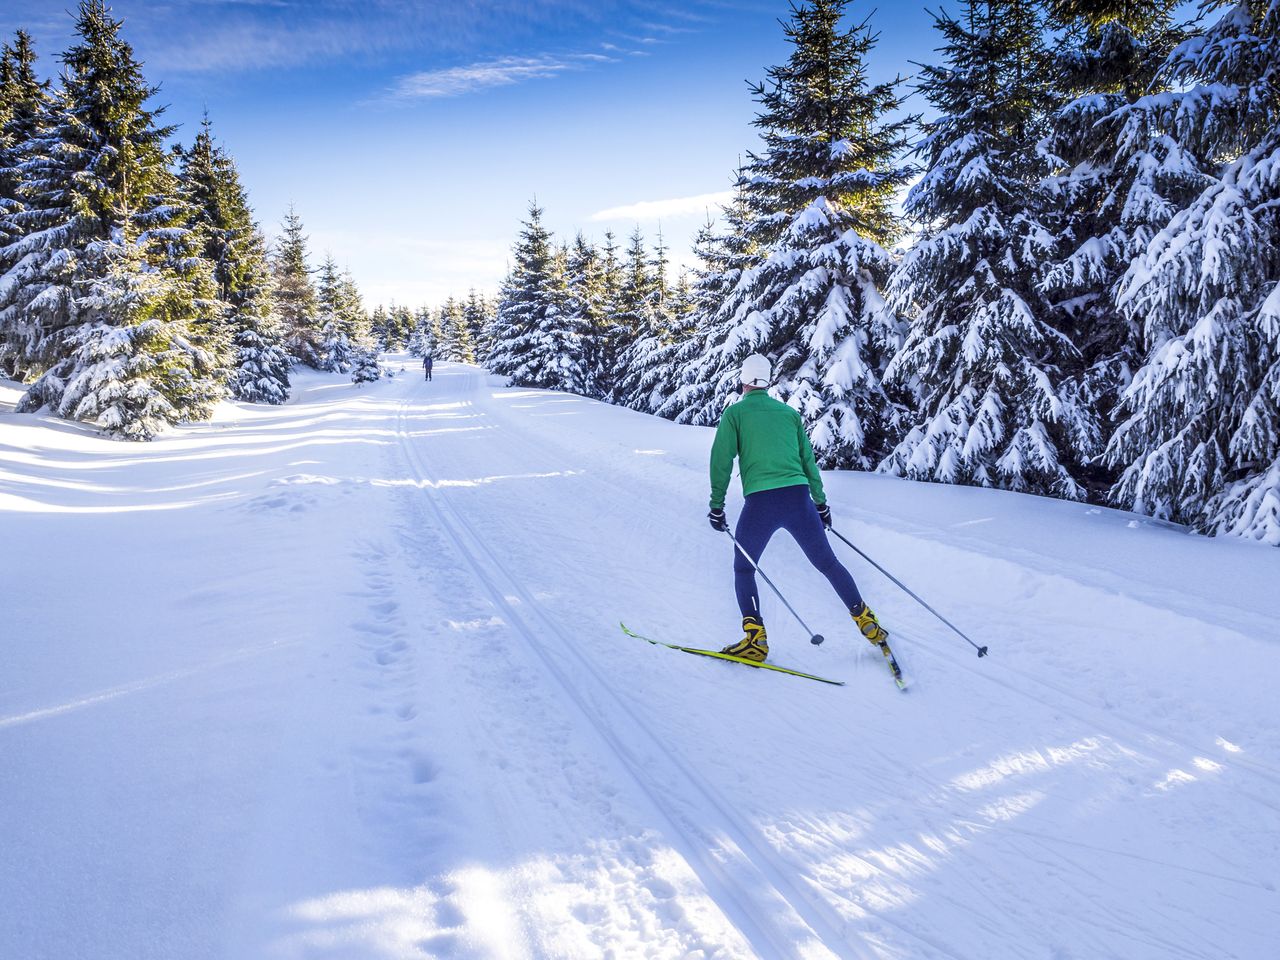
(803, 523)
(756, 524)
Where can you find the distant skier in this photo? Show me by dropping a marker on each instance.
(427, 364)
(783, 491)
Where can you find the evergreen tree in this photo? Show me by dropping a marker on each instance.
(993, 403)
(603, 343)
(380, 328)
(231, 241)
(294, 295)
(475, 318)
(643, 361)
(1120, 178)
(24, 105)
(365, 368)
(336, 349)
(627, 319)
(672, 350)
(529, 308)
(449, 317)
(456, 341)
(115, 311)
(1199, 437)
(586, 310)
(426, 335)
(351, 312)
(403, 323)
(418, 339)
(550, 349)
(132, 368)
(821, 200)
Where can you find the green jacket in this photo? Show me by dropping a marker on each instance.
(772, 448)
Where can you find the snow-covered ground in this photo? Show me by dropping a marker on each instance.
(344, 679)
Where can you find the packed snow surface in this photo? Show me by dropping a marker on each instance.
(344, 679)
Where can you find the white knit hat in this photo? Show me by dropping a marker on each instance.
(757, 371)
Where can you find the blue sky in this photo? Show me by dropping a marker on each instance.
(411, 136)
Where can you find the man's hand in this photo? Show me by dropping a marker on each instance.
(824, 514)
(719, 522)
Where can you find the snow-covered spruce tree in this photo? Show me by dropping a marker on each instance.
(600, 346)
(120, 316)
(426, 335)
(475, 316)
(994, 406)
(551, 349)
(526, 344)
(1199, 433)
(672, 349)
(586, 309)
(231, 241)
(364, 367)
(417, 345)
(294, 295)
(379, 329)
(626, 320)
(821, 197)
(24, 104)
(457, 343)
(133, 366)
(644, 363)
(451, 320)
(336, 349)
(355, 318)
(403, 323)
(1120, 177)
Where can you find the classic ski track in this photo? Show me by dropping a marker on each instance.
(714, 877)
(766, 861)
(603, 476)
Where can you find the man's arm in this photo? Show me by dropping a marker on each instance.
(723, 452)
(810, 465)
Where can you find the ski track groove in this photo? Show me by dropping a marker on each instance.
(743, 917)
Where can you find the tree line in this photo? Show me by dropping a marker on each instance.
(1079, 297)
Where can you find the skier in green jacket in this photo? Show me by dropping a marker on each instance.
(782, 490)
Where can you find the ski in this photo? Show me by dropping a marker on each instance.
(717, 655)
(892, 662)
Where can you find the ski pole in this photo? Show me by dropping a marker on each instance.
(814, 638)
(982, 651)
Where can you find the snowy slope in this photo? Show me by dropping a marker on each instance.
(344, 679)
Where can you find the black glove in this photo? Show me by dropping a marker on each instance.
(824, 514)
(719, 522)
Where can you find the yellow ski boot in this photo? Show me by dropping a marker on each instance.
(754, 646)
(869, 626)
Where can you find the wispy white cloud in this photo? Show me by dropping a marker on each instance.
(661, 209)
(500, 72)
